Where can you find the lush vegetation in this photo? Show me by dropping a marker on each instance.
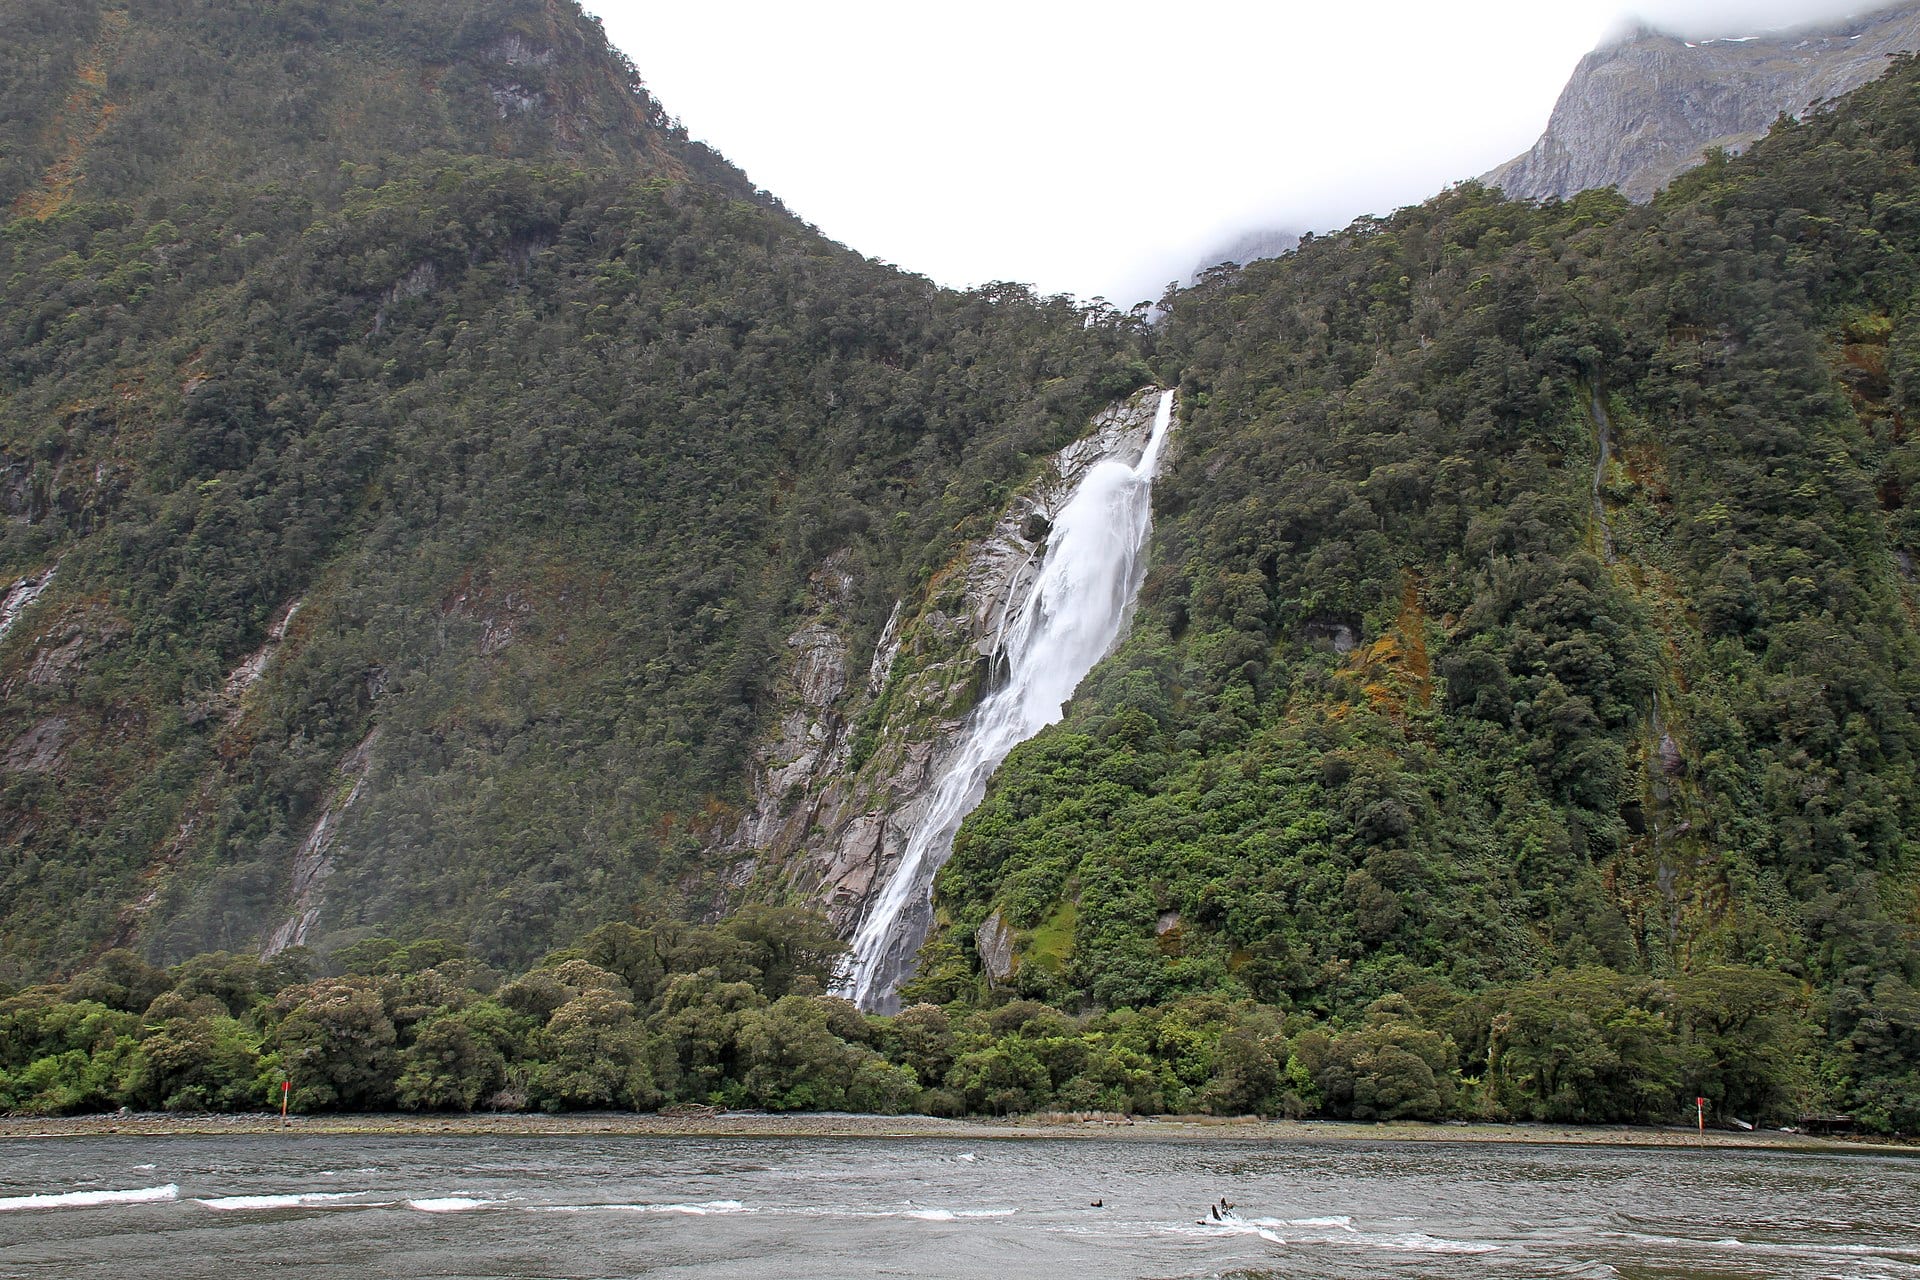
(546, 452)
(1533, 609)
(644, 1017)
(1521, 717)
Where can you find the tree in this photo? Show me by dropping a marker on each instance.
(120, 980)
(1747, 1035)
(790, 1060)
(455, 1060)
(337, 1045)
(195, 1056)
(593, 1053)
(792, 948)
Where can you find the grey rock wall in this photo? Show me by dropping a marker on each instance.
(1642, 110)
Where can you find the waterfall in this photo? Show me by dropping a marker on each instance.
(1073, 613)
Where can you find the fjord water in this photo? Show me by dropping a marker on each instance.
(603, 1206)
(1075, 609)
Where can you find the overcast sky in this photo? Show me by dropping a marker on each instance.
(1103, 147)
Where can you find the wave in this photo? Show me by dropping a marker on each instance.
(955, 1215)
(697, 1210)
(1269, 1229)
(230, 1203)
(447, 1204)
(90, 1199)
(1421, 1242)
(701, 1209)
(1798, 1247)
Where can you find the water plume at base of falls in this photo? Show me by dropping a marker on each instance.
(1073, 613)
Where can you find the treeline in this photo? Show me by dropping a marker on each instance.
(636, 1018)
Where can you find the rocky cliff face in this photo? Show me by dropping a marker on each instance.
(1641, 110)
(863, 739)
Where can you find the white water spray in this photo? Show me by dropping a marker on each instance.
(1071, 617)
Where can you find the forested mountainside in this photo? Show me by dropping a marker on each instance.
(1535, 596)
(1518, 717)
(103, 101)
(472, 484)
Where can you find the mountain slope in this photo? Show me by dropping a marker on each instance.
(107, 101)
(1640, 110)
(1534, 597)
(421, 528)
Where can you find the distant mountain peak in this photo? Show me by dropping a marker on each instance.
(1647, 103)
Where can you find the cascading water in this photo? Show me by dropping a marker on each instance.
(1072, 615)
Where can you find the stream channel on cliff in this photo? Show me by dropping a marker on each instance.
(1077, 607)
(592, 1205)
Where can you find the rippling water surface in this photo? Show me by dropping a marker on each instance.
(595, 1206)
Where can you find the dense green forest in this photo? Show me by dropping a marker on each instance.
(434, 451)
(642, 1017)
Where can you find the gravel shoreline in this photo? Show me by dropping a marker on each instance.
(766, 1125)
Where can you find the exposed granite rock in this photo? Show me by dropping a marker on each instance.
(499, 612)
(1641, 110)
(313, 860)
(1339, 634)
(64, 647)
(233, 690)
(38, 750)
(993, 940)
(18, 595)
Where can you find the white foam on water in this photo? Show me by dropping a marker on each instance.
(227, 1204)
(1421, 1242)
(1268, 1229)
(702, 1208)
(89, 1199)
(955, 1215)
(1231, 1227)
(141, 1168)
(447, 1204)
(1792, 1247)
